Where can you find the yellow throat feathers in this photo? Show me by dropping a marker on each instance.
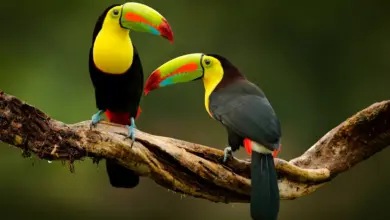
(113, 49)
(211, 78)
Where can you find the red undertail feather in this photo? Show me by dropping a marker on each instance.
(121, 117)
(248, 148)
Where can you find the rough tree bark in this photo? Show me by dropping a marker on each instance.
(191, 168)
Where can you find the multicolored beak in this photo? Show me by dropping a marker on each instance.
(142, 18)
(181, 69)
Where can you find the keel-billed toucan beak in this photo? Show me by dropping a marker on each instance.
(142, 18)
(178, 70)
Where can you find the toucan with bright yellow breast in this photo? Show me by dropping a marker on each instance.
(116, 71)
(245, 112)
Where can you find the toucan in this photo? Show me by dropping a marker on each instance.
(243, 110)
(116, 71)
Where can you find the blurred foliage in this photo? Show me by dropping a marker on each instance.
(318, 62)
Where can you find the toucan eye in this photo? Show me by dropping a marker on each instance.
(207, 62)
(115, 12)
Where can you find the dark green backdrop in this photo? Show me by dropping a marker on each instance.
(318, 62)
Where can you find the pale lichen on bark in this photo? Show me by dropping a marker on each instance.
(191, 168)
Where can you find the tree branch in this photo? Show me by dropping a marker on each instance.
(191, 168)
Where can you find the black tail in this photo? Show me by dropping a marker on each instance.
(265, 192)
(121, 177)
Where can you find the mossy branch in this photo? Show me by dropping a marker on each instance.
(191, 168)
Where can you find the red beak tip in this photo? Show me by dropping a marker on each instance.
(166, 31)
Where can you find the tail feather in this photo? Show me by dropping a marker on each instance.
(265, 192)
(121, 177)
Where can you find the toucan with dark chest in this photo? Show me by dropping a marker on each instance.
(116, 71)
(244, 111)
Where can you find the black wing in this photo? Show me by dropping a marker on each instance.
(250, 116)
(93, 72)
(138, 79)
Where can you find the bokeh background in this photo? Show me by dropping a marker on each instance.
(318, 62)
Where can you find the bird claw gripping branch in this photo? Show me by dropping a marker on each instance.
(131, 131)
(227, 152)
(96, 118)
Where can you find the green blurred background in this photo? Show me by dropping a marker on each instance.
(318, 62)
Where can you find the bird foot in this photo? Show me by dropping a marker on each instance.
(96, 118)
(131, 131)
(227, 152)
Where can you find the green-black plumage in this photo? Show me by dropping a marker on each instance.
(119, 96)
(244, 111)
(247, 114)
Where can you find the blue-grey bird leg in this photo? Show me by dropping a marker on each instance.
(234, 143)
(131, 131)
(227, 152)
(96, 118)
